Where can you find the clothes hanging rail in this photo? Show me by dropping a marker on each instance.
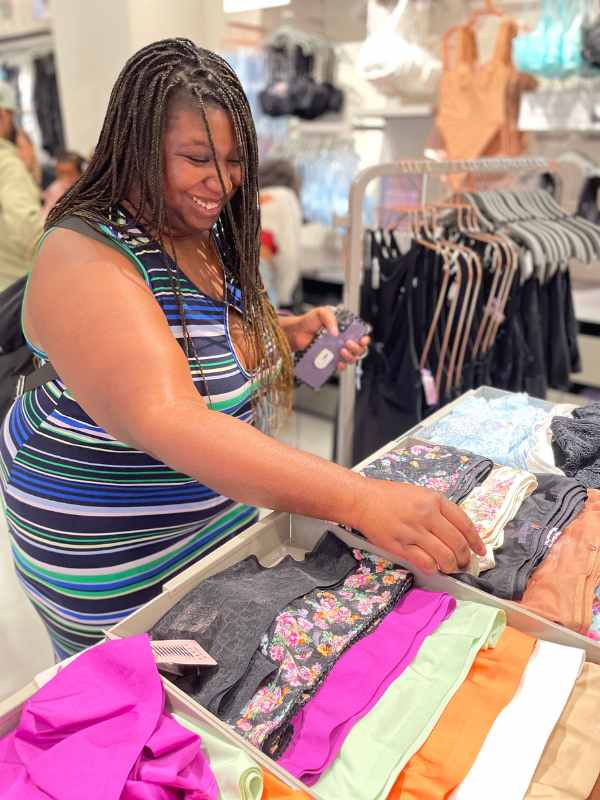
(513, 167)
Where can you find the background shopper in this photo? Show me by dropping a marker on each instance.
(21, 219)
(68, 170)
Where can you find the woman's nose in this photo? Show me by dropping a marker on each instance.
(214, 184)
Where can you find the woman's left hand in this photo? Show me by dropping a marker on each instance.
(300, 332)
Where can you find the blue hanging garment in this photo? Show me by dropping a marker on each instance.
(553, 48)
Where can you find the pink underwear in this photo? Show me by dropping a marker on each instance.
(359, 679)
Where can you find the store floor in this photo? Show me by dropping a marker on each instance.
(25, 648)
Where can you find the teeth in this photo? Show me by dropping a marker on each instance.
(205, 204)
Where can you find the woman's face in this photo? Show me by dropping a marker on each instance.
(193, 192)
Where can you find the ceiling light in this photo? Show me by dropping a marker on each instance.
(237, 6)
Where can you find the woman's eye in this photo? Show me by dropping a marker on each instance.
(195, 160)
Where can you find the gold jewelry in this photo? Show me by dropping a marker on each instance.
(204, 248)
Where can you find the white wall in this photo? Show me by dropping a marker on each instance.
(94, 39)
(199, 20)
(17, 18)
(92, 43)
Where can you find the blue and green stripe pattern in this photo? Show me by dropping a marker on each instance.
(96, 526)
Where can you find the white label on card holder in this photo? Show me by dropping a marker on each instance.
(324, 358)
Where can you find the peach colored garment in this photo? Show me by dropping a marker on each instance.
(274, 789)
(562, 588)
(479, 103)
(571, 761)
(450, 751)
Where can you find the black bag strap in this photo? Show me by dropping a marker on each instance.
(84, 228)
(38, 377)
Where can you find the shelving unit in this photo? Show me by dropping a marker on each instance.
(392, 110)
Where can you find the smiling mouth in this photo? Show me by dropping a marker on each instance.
(206, 205)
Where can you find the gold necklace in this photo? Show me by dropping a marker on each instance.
(212, 269)
(204, 249)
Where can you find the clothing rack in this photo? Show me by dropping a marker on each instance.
(514, 167)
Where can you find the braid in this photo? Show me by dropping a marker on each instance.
(129, 156)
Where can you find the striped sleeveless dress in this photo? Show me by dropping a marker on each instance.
(96, 526)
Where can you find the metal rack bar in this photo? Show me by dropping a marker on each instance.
(354, 257)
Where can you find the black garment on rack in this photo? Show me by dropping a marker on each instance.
(467, 379)
(535, 382)
(562, 351)
(536, 346)
(557, 348)
(459, 268)
(483, 370)
(501, 356)
(511, 354)
(478, 371)
(572, 327)
(425, 296)
(47, 104)
(389, 400)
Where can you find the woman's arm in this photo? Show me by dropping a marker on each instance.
(109, 341)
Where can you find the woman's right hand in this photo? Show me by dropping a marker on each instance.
(418, 525)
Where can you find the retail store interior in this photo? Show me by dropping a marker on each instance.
(379, 245)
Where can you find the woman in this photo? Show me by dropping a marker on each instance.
(146, 299)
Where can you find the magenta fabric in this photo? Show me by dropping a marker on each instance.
(98, 730)
(359, 679)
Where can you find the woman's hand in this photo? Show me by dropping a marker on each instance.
(419, 526)
(300, 332)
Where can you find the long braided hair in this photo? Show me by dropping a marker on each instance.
(129, 156)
